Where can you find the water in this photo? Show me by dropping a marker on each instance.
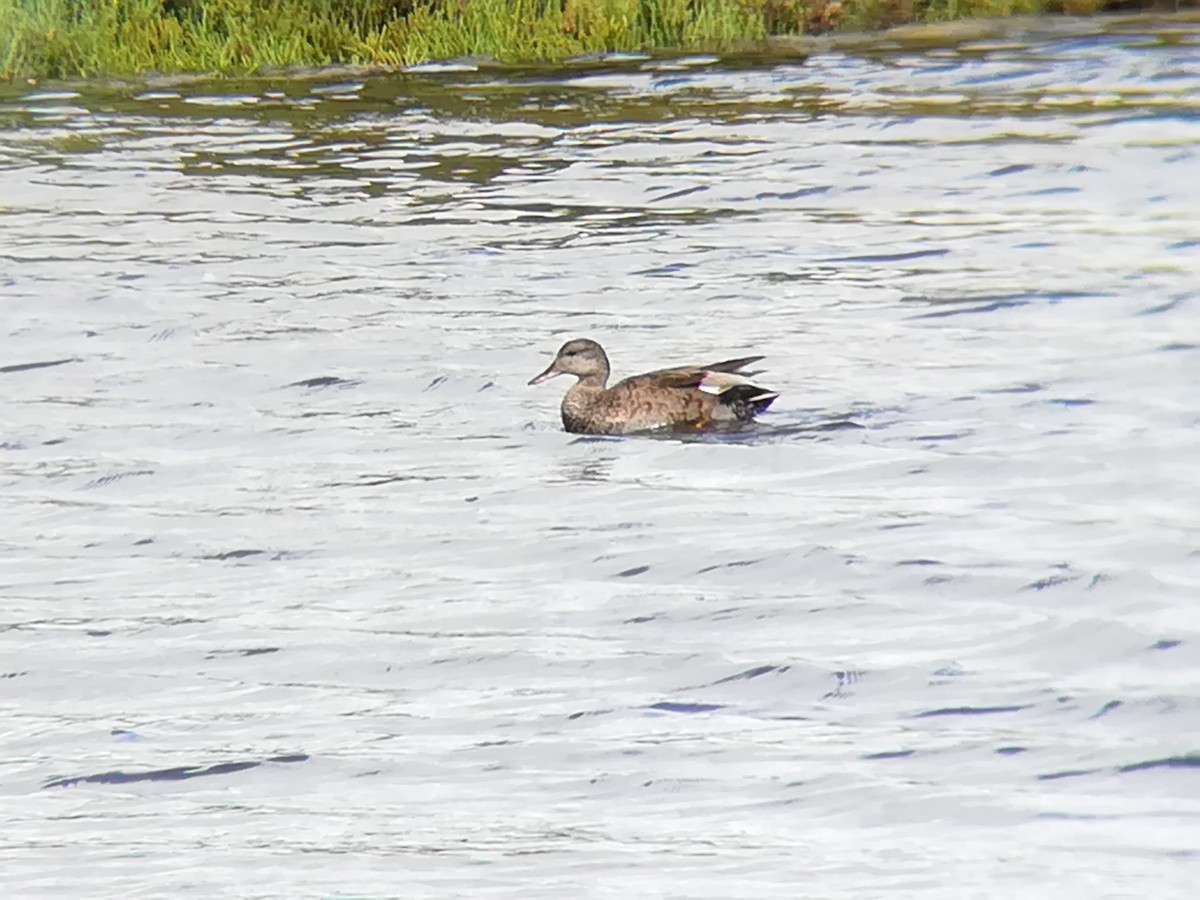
(307, 594)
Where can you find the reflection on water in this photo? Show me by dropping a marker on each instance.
(294, 562)
(590, 468)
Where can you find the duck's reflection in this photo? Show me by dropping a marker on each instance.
(591, 468)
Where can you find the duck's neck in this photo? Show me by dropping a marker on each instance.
(579, 400)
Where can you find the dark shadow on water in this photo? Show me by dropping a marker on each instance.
(764, 432)
(889, 754)
(1185, 761)
(325, 381)
(753, 672)
(743, 433)
(30, 366)
(967, 304)
(177, 773)
(969, 711)
(668, 706)
(889, 257)
(595, 469)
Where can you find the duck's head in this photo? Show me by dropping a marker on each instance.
(581, 358)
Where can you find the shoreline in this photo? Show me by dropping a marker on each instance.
(761, 48)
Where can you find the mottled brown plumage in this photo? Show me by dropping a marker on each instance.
(696, 397)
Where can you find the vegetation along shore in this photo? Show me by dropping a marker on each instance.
(81, 38)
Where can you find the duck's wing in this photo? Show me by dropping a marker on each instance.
(734, 366)
(690, 395)
(712, 379)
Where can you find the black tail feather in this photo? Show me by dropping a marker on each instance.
(747, 400)
(733, 366)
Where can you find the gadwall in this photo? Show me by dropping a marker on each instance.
(695, 397)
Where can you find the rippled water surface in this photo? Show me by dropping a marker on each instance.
(306, 593)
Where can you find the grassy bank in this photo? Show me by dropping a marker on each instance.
(69, 38)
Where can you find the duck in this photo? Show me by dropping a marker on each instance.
(715, 396)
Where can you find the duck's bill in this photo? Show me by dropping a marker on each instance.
(545, 376)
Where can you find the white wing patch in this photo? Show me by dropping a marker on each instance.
(719, 382)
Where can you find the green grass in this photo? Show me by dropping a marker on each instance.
(73, 38)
